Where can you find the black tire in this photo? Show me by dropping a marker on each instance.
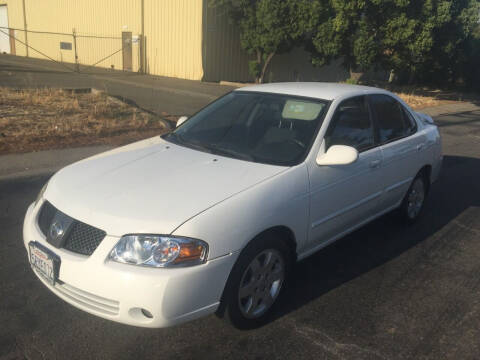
(414, 200)
(232, 302)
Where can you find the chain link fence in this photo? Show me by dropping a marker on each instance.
(75, 51)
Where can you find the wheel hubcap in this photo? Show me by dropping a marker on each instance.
(261, 283)
(415, 199)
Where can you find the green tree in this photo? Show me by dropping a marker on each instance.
(470, 69)
(344, 31)
(452, 36)
(268, 27)
(416, 38)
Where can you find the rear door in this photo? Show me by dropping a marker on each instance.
(400, 143)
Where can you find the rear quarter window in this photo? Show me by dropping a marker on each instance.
(393, 120)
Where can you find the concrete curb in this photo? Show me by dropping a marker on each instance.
(235, 84)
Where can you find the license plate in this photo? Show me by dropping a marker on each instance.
(44, 261)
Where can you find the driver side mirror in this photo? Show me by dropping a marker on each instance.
(181, 120)
(338, 155)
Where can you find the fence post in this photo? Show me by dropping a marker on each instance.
(141, 57)
(142, 39)
(25, 27)
(74, 34)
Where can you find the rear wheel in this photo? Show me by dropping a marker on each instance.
(414, 200)
(256, 282)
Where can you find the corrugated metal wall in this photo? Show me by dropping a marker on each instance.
(184, 39)
(106, 18)
(179, 43)
(224, 59)
(173, 33)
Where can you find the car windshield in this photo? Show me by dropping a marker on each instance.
(253, 126)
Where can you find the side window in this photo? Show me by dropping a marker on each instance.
(392, 119)
(411, 123)
(351, 125)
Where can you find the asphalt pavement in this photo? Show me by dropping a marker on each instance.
(159, 94)
(384, 292)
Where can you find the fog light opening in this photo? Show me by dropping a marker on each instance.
(140, 314)
(147, 314)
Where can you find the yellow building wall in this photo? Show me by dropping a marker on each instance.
(106, 18)
(183, 38)
(173, 32)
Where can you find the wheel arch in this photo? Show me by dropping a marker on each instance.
(285, 234)
(426, 172)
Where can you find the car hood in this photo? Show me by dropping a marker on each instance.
(152, 186)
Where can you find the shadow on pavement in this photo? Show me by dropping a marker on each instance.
(362, 251)
(384, 239)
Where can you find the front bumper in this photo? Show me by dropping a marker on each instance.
(119, 292)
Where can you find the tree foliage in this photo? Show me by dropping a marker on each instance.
(470, 68)
(268, 27)
(414, 39)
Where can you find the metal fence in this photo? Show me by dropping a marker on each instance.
(77, 52)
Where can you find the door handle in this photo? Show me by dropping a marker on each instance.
(420, 147)
(375, 163)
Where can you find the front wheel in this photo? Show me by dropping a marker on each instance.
(256, 282)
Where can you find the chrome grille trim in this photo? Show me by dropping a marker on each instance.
(82, 239)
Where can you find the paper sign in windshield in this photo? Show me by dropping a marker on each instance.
(301, 110)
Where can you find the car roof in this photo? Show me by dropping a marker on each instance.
(319, 90)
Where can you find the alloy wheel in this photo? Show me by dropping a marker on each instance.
(261, 283)
(415, 199)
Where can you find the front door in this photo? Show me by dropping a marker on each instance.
(345, 196)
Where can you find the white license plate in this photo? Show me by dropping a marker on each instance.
(44, 261)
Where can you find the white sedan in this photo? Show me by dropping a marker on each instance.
(212, 216)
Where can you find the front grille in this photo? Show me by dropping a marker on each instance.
(82, 239)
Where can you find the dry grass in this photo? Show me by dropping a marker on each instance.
(419, 101)
(32, 120)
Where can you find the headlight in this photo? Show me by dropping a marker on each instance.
(159, 251)
(40, 194)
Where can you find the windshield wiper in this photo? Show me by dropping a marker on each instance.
(179, 139)
(233, 153)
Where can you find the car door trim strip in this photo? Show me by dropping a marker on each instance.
(397, 185)
(345, 209)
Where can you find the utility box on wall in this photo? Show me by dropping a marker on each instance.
(127, 50)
